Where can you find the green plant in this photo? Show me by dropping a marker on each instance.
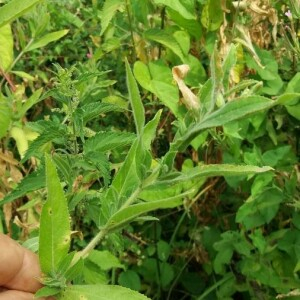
(186, 187)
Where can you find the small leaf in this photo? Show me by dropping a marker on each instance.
(46, 39)
(54, 131)
(46, 291)
(24, 75)
(104, 141)
(55, 230)
(34, 99)
(105, 260)
(150, 130)
(32, 182)
(100, 292)
(5, 115)
(178, 7)
(130, 279)
(165, 39)
(6, 47)
(15, 9)
(135, 100)
(128, 214)
(108, 11)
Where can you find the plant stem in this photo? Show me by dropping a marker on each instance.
(17, 59)
(91, 245)
(131, 30)
(216, 285)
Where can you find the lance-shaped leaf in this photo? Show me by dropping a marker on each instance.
(213, 170)
(234, 110)
(54, 224)
(6, 47)
(15, 9)
(135, 100)
(5, 115)
(130, 213)
(46, 39)
(100, 292)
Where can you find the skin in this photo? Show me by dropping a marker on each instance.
(19, 271)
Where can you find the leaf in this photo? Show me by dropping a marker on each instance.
(150, 130)
(54, 131)
(32, 182)
(214, 170)
(93, 110)
(231, 111)
(46, 39)
(24, 75)
(32, 100)
(54, 239)
(105, 260)
(104, 141)
(165, 39)
(6, 47)
(212, 15)
(100, 292)
(135, 100)
(260, 209)
(130, 279)
(32, 244)
(15, 9)
(124, 184)
(178, 7)
(46, 291)
(5, 115)
(142, 75)
(128, 214)
(108, 11)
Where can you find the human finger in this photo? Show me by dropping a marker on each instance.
(19, 267)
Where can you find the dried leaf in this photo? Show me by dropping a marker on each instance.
(190, 100)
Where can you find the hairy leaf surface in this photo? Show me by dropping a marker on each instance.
(54, 241)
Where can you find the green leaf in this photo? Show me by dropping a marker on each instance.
(104, 141)
(150, 130)
(214, 170)
(100, 292)
(128, 214)
(32, 244)
(125, 182)
(212, 15)
(46, 291)
(32, 182)
(6, 47)
(231, 111)
(15, 9)
(54, 240)
(165, 39)
(92, 110)
(142, 75)
(46, 39)
(260, 209)
(130, 279)
(54, 131)
(32, 100)
(178, 7)
(105, 260)
(135, 100)
(5, 115)
(108, 11)
(24, 75)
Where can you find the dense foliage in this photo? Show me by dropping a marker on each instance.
(150, 149)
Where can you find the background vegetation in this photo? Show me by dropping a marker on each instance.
(153, 145)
